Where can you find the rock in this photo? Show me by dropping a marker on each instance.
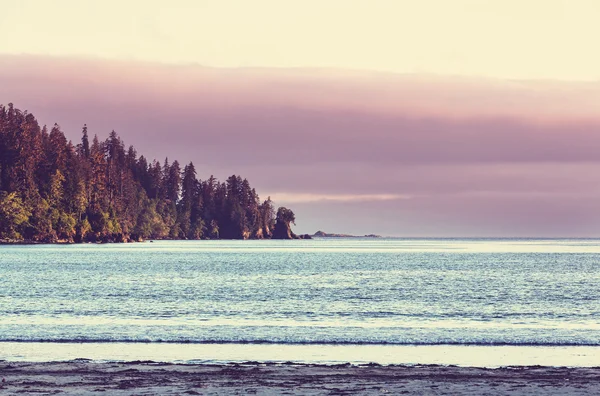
(283, 231)
(282, 228)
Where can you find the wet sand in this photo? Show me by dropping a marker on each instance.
(84, 377)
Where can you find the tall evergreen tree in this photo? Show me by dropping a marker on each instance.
(85, 143)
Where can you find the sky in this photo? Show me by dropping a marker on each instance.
(430, 118)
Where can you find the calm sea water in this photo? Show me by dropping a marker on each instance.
(259, 295)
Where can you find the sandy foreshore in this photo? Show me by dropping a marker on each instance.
(83, 377)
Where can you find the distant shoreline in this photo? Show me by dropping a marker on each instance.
(318, 234)
(322, 234)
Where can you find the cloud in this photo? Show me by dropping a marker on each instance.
(422, 155)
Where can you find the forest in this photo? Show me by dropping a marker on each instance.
(99, 191)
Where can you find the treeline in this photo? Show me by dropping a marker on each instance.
(52, 190)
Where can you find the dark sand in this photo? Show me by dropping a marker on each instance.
(148, 378)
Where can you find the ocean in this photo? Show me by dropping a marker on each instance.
(482, 302)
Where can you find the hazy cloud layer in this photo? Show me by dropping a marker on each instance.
(406, 154)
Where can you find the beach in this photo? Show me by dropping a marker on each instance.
(82, 377)
(377, 316)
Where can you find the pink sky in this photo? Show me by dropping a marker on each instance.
(349, 151)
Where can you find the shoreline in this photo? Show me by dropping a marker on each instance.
(223, 353)
(110, 242)
(83, 376)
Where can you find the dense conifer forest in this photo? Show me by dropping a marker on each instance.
(99, 191)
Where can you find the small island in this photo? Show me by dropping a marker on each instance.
(321, 234)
